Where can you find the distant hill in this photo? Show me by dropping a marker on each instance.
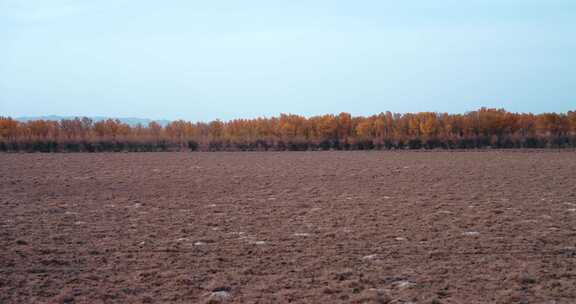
(133, 121)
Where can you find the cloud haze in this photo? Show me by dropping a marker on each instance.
(225, 59)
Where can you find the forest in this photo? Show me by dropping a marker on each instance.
(479, 129)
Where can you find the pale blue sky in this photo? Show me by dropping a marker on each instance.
(201, 60)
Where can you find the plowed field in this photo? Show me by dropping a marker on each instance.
(300, 227)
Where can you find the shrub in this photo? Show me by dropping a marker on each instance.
(192, 145)
(415, 144)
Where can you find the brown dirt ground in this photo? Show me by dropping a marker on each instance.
(302, 227)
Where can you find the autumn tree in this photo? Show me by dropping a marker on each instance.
(476, 129)
(8, 128)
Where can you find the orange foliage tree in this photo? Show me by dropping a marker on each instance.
(481, 128)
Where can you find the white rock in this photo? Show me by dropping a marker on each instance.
(370, 257)
(405, 284)
(302, 234)
(219, 296)
(471, 233)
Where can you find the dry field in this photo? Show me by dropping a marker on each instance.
(300, 227)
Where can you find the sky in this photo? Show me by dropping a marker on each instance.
(203, 60)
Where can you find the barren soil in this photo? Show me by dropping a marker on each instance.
(301, 227)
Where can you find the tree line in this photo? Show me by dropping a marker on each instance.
(483, 128)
